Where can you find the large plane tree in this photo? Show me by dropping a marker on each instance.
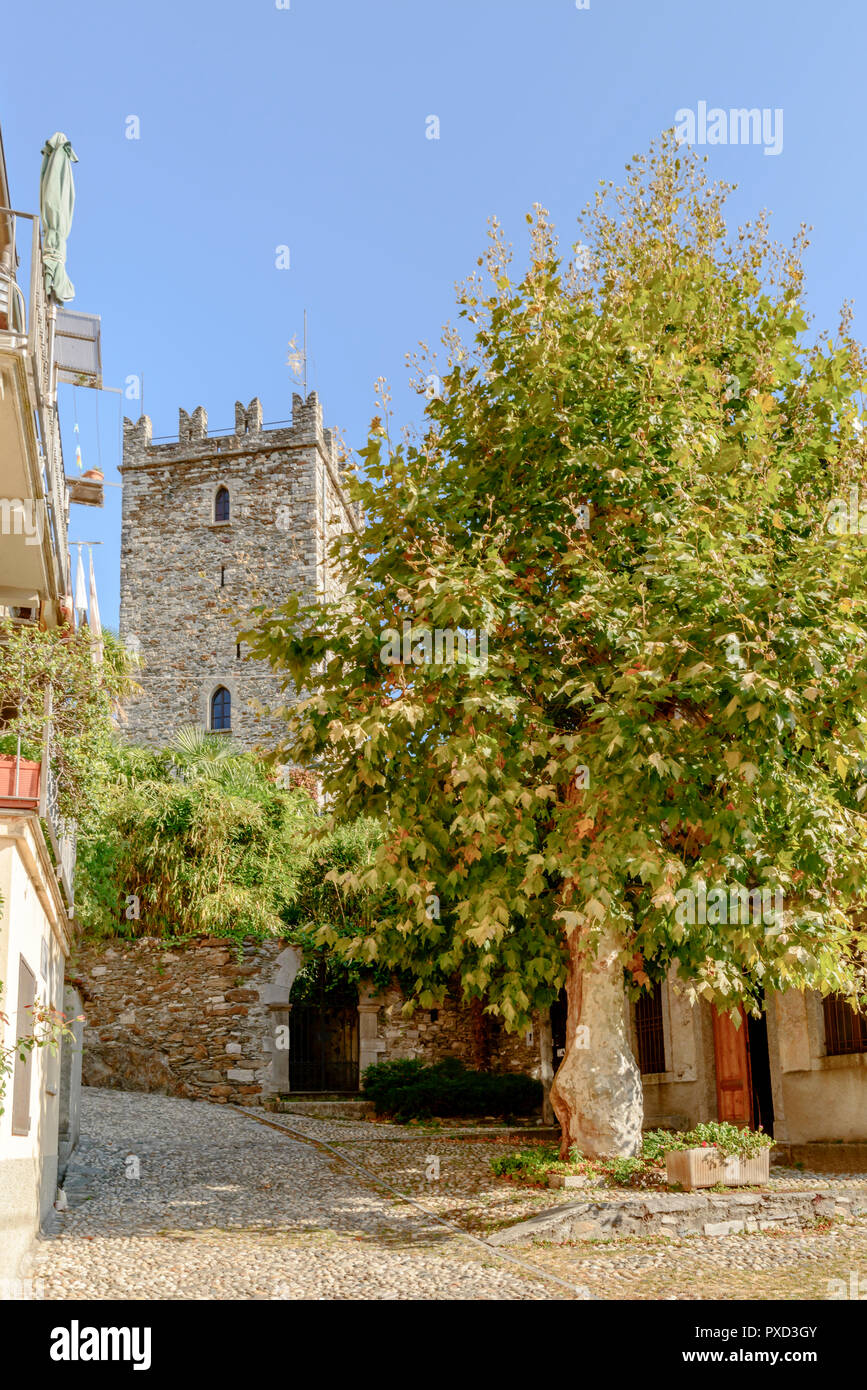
(637, 738)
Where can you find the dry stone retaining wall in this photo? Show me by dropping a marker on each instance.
(185, 1021)
(452, 1031)
(192, 1019)
(684, 1214)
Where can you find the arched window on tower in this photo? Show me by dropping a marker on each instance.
(221, 504)
(221, 710)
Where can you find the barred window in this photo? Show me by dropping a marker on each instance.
(845, 1030)
(649, 1031)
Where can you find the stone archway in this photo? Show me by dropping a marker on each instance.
(370, 1045)
(275, 997)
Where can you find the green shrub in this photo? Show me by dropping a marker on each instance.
(647, 1170)
(409, 1090)
(657, 1143)
(622, 1171)
(533, 1164)
(382, 1079)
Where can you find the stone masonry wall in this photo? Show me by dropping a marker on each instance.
(188, 581)
(193, 1020)
(450, 1031)
(185, 1021)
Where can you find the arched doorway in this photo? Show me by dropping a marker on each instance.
(323, 1032)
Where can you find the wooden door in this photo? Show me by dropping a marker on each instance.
(734, 1089)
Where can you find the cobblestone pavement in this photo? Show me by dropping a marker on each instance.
(467, 1192)
(768, 1265)
(771, 1265)
(227, 1208)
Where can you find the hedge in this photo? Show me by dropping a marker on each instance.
(410, 1089)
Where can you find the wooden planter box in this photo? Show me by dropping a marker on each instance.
(28, 782)
(707, 1167)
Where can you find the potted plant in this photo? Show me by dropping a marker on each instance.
(718, 1152)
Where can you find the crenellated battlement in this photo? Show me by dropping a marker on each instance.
(306, 427)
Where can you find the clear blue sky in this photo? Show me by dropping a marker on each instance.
(305, 127)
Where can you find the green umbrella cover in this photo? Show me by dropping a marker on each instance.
(56, 201)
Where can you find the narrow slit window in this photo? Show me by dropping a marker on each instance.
(223, 577)
(221, 504)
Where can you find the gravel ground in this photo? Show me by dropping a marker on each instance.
(227, 1208)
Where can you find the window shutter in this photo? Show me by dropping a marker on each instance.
(23, 1070)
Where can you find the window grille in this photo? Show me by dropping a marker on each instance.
(649, 1031)
(845, 1030)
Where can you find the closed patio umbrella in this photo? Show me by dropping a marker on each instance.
(56, 201)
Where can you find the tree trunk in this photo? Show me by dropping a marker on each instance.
(597, 1091)
(480, 1035)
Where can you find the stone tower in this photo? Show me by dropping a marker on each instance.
(216, 524)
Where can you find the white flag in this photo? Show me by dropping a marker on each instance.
(80, 592)
(95, 625)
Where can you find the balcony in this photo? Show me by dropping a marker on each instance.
(34, 501)
(28, 785)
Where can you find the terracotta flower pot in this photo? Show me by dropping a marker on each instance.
(28, 781)
(706, 1167)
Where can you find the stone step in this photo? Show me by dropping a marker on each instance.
(845, 1157)
(324, 1109)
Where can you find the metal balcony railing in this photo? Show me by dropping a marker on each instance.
(62, 832)
(27, 785)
